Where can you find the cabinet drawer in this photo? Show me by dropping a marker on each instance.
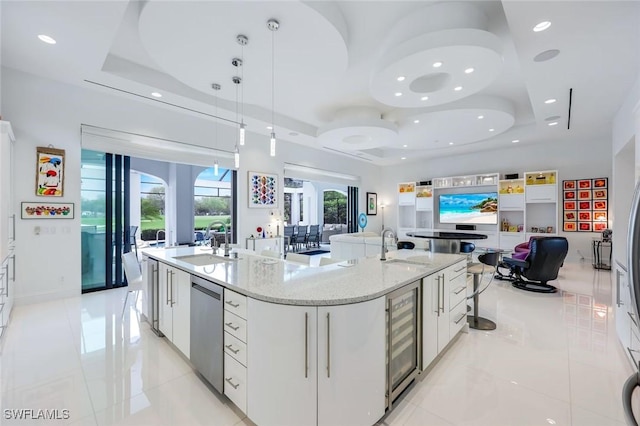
(458, 289)
(236, 303)
(454, 272)
(235, 348)
(235, 326)
(457, 319)
(235, 382)
(541, 193)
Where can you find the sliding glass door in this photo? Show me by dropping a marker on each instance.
(105, 219)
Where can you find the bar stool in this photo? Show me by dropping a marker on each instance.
(488, 262)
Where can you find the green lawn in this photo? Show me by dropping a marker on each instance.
(201, 222)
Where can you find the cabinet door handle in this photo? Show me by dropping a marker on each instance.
(306, 345)
(632, 318)
(438, 296)
(233, 305)
(618, 275)
(230, 347)
(5, 277)
(328, 345)
(462, 316)
(228, 380)
(461, 268)
(460, 289)
(13, 263)
(230, 325)
(442, 294)
(172, 301)
(166, 282)
(13, 226)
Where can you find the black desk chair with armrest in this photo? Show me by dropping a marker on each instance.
(546, 256)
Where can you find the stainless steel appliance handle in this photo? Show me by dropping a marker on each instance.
(438, 296)
(442, 294)
(166, 282)
(618, 275)
(306, 345)
(172, 301)
(328, 345)
(230, 325)
(230, 347)
(228, 380)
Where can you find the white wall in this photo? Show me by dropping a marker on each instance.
(48, 265)
(590, 157)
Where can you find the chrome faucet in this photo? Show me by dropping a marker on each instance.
(385, 231)
(212, 240)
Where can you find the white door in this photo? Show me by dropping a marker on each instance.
(165, 313)
(181, 311)
(351, 363)
(623, 306)
(281, 364)
(430, 313)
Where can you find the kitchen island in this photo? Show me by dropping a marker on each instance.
(315, 337)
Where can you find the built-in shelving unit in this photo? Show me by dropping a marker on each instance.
(527, 205)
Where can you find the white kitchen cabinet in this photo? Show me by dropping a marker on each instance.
(430, 313)
(175, 302)
(320, 360)
(351, 366)
(546, 193)
(282, 362)
(7, 217)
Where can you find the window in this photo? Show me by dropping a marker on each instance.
(212, 198)
(335, 207)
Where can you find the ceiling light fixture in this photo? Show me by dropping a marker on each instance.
(236, 155)
(47, 39)
(216, 87)
(416, 121)
(553, 123)
(156, 94)
(403, 158)
(401, 78)
(450, 143)
(469, 70)
(424, 98)
(541, 26)
(405, 145)
(492, 130)
(398, 93)
(437, 64)
(550, 101)
(515, 141)
(480, 117)
(457, 88)
(242, 41)
(273, 26)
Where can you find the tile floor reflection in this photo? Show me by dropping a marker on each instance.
(553, 360)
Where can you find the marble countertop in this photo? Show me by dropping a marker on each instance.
(278, 281)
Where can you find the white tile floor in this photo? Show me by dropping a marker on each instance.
(554, 359)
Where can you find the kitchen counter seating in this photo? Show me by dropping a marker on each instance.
(289, 329)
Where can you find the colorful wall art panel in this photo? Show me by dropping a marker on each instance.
(49, 172)
(263, 190)
(47, 210)
(585, 205)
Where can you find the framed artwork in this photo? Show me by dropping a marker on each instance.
(372, 203)
(44, 210)
(263, 190)
(585, 204)
(49, 172)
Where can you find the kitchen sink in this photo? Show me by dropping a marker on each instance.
(203, 259)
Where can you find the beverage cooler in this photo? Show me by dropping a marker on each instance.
(403, 339)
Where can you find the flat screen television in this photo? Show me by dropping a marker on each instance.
(477, 208)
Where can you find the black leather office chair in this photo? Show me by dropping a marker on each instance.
(545, 258)
(407, 245)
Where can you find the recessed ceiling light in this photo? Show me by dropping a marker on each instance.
(401, 78)
(403, 158)
(553, 123)
(492, 130)
(550, 101)
(269, 128)
(156, 94)
(480, 117)
(46, 39)
(469, 70)
(541, 26)
(437, 64)
(515, 141)
(457, 88)
(398, 93)
(546, 55)
(416, 121)
(450, 143)
(424, 98)
(405, 145)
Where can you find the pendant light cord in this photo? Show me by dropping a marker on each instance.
(273, 80)
(242, 79)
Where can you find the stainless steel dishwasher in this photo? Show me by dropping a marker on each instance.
(206, 331)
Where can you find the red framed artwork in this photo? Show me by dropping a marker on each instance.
(585, 204)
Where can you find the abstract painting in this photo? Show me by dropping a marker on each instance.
(263, 190)
(49, 172)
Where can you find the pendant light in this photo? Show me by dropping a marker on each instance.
(273, 26)
(242, 41)
(216, 87)
(236, 155)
